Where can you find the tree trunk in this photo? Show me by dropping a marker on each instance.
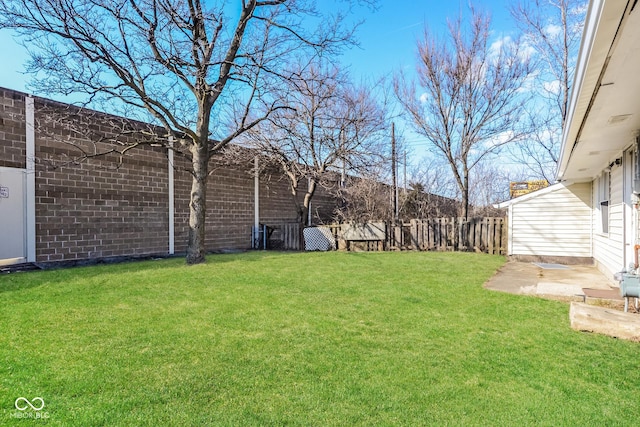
(198, 204)
(307, 201)
(465, 194)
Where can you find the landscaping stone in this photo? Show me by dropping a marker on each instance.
(604, 320)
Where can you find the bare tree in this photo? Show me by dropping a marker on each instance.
(365, 198)
(188, 64)
(552, 30)
(469, 101)
(330, 127)
(490, 185)
(432, 193)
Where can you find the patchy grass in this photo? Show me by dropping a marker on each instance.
(302, 339)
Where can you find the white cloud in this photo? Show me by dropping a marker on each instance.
(552, 87)
(579, 10)
(498, 45)
(424, 98)
(553, 30)
(500, 139)
(527, 50)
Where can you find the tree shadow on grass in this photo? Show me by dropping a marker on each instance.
(64, 272)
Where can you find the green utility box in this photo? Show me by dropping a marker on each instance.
(630, 285)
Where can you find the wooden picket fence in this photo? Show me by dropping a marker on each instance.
(488, 235)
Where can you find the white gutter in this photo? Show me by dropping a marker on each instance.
(602, 23)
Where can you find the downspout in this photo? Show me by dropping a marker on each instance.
(256, 194)
(255, 232)
(172, 236)
(30, 139)
(636, 204)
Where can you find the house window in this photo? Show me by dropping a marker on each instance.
(604, 194)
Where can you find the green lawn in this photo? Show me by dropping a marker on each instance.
(313, 339)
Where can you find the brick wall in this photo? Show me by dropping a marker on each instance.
(230, 207)
(119, 206)
(12, 129)
(102, 207)
(277, 204)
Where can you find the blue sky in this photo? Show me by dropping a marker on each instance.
(388, 39)
(388, 36)
(14, 57)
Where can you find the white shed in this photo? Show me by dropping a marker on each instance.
(553, 224)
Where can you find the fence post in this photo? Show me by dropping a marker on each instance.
(294, 233)
(415, 234)
(451, 244)
(492, 235)
(505, 237)
(398, 235)
(387, 234)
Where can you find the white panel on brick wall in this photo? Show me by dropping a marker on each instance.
(13, 248)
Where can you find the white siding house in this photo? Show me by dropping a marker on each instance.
(593, 210)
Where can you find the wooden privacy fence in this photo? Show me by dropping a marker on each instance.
(284, 236)
(488, 235)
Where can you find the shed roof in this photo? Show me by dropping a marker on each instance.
(534, 194)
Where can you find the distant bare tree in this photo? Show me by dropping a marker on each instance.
(490, 185)
(432, 192)
(468, 103)
(365, 199)
(188, 64)
(329, 125)
(552, 30)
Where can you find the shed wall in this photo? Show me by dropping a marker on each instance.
(555, 224)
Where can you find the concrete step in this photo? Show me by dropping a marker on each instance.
(606, 298)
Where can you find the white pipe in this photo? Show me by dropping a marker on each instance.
(256, 194)
(172, 236)
(309, 209)
(30, 139)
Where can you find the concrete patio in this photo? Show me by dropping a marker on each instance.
(595, 301)
(581, 283)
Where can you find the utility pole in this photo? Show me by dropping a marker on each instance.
(343, 176)
(394, 160)
(404, 187)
